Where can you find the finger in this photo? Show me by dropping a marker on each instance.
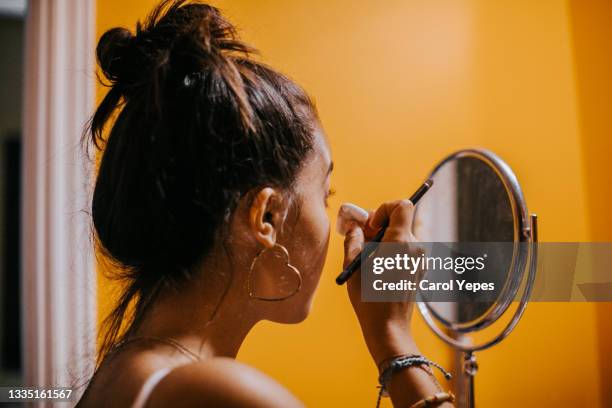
(382, 214)
(368, 230)
(402, 216)
(349, 216)
(353, 243)
(399, 215)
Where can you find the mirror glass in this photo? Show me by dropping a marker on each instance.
(468, 202)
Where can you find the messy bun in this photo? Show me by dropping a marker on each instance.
(199, 123)
(113, 52)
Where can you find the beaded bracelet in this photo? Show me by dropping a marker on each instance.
(388, 368)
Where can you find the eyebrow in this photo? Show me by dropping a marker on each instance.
(331, 167)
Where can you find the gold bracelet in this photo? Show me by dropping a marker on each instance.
(434, 400)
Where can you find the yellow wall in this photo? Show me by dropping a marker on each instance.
(400, 84)
(592, 31)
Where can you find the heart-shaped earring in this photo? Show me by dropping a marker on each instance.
(271, 275)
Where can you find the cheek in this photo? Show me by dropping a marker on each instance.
(310, 241)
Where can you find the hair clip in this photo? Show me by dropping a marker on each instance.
(191, 78)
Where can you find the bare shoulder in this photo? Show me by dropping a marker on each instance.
(220, 382)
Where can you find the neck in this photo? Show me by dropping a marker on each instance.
(208, 318)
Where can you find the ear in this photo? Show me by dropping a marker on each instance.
(267, 214)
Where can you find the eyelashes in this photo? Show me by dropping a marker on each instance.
(330, 193)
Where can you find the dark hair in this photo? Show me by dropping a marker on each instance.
(199, 123)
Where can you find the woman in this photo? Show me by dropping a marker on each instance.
(211, 201)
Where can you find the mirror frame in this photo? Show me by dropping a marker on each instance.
(524, 256)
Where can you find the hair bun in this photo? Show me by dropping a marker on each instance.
(112, 52)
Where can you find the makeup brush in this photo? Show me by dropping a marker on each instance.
(356, 263)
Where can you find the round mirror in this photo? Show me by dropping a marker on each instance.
(475, 198)
(476, 201)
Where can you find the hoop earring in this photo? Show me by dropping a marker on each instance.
(283, 254)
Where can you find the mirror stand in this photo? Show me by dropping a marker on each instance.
(470, 367)
(456, 339)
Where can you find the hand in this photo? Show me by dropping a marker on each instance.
(385, 325)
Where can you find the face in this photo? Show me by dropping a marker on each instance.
(297, 221)
(307, 229)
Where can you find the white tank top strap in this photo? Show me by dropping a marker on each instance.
(149, 386)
